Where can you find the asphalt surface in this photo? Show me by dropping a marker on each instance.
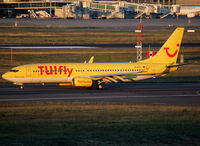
(105, 24)
(131, 93)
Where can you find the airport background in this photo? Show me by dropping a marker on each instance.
(89, 9)
(169, 2)
(178, 2)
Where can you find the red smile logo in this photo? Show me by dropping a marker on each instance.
(171, 55)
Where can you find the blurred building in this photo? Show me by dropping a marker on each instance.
(66, 8)
(168, 2)
(188, 2)
(12, 8)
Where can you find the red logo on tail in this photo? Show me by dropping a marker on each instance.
(170, 55)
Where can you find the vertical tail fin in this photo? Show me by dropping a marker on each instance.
(168, 53)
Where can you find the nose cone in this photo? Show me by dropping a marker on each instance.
(5, 76)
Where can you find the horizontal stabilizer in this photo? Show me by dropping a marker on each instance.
(176, 65)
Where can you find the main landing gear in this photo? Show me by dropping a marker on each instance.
(99, 86)
(21, 86)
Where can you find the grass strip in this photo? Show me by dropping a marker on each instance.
(98, 124)
(62, 36)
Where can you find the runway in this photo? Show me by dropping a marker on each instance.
(130, 93)
(92, 46)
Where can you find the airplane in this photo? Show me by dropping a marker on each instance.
(95, 75)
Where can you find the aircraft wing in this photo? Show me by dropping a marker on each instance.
(115, 77)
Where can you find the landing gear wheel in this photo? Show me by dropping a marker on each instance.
(99, 86)
(21, 87)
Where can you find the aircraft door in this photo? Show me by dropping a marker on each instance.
(28, 72)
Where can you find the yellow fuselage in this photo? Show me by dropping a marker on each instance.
(62, 72)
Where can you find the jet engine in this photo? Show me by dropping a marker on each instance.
(172, 69)
(82, 82)
(191, 15)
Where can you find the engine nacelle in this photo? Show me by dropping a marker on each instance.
(172, 69)
(191, 15)
(82, 82)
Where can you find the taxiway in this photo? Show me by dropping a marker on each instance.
(103, 24)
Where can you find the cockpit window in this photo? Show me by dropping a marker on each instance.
(13, 70)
